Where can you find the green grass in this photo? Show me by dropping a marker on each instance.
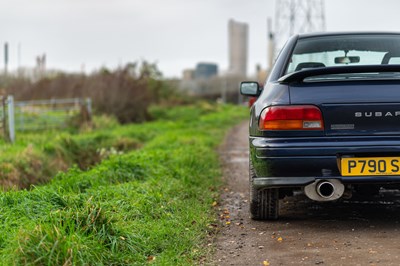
(150, 205)
(38, 156)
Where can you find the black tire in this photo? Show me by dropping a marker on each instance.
(264, 203)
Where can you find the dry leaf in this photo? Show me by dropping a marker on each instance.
(151, 258)
(280, 239)
(214, 204)
(228, 223)
(265, 263)
(372, 251)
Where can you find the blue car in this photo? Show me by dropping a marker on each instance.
(327, 121)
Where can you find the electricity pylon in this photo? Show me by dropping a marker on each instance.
(297, 16)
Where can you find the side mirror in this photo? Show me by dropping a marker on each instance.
(250, 88)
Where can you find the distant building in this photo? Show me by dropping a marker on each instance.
(205, 70)
(238, 47)
(188, 74)
(261, 74)
(198, 81)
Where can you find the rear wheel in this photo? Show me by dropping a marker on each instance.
(264, 203)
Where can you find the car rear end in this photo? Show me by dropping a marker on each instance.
(331, 128)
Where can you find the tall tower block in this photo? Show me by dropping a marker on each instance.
(238, 47)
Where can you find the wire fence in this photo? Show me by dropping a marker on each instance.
(41, 114)
(48, 114)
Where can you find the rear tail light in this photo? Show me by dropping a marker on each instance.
(294, 117)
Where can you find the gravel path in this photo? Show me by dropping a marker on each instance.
(308, 233)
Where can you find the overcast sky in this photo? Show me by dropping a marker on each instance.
(174, 33)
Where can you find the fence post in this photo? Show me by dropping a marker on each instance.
(89, 107)
(4, 118)
(11, 120)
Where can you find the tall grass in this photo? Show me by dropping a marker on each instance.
(151, 205)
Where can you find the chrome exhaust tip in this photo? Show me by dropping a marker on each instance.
(325, 190)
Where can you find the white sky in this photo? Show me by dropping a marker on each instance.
(174, 33)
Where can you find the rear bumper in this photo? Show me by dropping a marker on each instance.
(261, 182)
(300, 161)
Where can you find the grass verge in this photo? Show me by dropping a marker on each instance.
(151, 205)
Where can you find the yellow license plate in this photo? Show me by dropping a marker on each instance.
(370, 166)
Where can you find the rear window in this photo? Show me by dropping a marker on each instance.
(346, 50)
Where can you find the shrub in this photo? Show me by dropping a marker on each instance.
(125, 93)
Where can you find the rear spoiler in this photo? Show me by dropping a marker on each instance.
(299, 76)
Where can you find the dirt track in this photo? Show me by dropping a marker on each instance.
(307, 233)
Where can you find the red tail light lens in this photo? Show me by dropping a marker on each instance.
(294, 117)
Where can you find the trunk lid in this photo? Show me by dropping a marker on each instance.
(350, 108)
